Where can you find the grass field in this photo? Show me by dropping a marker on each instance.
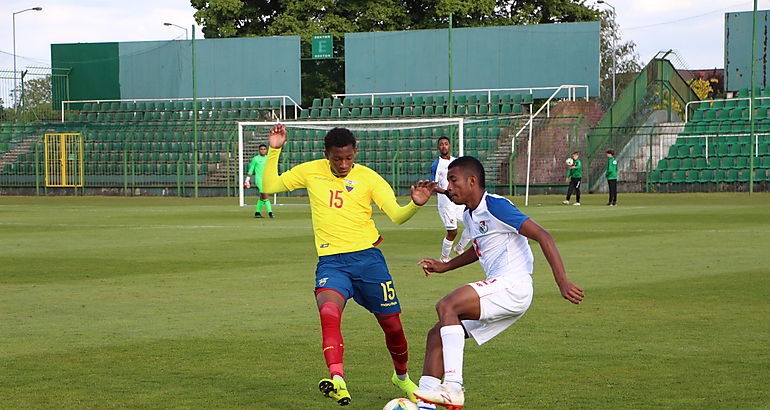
(192, 303)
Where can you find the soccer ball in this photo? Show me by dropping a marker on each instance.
(570, 162)
(400, 404)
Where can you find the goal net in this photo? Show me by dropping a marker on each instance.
(401, 151)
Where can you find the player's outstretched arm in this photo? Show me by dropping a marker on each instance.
(422, 193)
(385, 198)
(568, 289)
(433, 266)
(271, 182)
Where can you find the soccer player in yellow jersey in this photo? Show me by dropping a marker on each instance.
(349, 264)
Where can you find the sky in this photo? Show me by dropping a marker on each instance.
(692, 28)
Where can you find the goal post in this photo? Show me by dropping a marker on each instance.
(391, 147)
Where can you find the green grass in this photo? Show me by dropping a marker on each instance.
(191, 303)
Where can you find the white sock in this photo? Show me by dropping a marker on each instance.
(464, 239)
(453, 340)
(446, 247)
(429, 383)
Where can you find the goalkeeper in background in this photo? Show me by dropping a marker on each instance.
(256, 167)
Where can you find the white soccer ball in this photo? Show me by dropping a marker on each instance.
(400, 404)
(569, 162)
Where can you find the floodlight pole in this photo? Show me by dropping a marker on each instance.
(751, 99)
(15, 83)
(185, 30)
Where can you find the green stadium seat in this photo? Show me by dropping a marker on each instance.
(517, 109)
(686, 163)
(408, 111)
(731, 175)
(366, 112)
(667, 176)
(707, 175)
(742, 162)
(517, 98)
(680, 176)
(397, 111)
(418, 111)
(326, 113)
(326, 102)
(505, 108)
(693, 176)
(429, 111)
(727, 162)
(387, 101)
(683, 151)
(700, 163)
(440, 110)
(527, 99)
(673, 163)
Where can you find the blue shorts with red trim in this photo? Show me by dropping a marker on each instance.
(362, 275)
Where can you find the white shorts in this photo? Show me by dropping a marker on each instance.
(450, 216)
(502, 302)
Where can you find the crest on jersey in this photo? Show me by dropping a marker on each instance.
(483, 227)
(349, 188)
(349, 182)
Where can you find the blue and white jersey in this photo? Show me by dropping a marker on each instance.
(494, 226)
(438, 173)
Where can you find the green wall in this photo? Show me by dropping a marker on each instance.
(738, 49)
(94, 70)
(487, 57)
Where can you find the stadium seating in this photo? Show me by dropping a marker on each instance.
(208, 110)
(406, 106)
(726, 158)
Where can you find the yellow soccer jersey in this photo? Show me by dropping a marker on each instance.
(341, 207)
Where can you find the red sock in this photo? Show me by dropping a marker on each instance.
(333, 347)
(396, 342)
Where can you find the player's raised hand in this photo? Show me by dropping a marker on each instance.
(277, 136)
(432, 266)
(571, 292)
(421, 194)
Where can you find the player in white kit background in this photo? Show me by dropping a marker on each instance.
(451, 214)
(482, 310)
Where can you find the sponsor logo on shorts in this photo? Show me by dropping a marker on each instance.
(389, 304)
(324, 245)
(483, 227)
(322, 281)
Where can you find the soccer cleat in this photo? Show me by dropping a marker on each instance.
(459, 250)
(565, 202)
(445, 259)
(407, 386)
(271, 215)
(453, 400)
(335, 389)
(576, 204)
(258, 215)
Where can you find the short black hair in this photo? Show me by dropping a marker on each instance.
(576, 152)
(262, 145)
(339, 137)
(443, 137)
(611, 151)
(473, 166)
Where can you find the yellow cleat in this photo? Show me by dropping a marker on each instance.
(335, 389)
(407, 386)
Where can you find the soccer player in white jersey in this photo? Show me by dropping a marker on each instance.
(482, 310)
(449, 212)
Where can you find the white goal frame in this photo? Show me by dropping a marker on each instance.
(416, 121)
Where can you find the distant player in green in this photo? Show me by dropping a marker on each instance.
(574, 176)
(612, 177)
(255, 169)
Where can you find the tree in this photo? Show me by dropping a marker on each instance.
(627, 62)
(242, 18)
(34, 99)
